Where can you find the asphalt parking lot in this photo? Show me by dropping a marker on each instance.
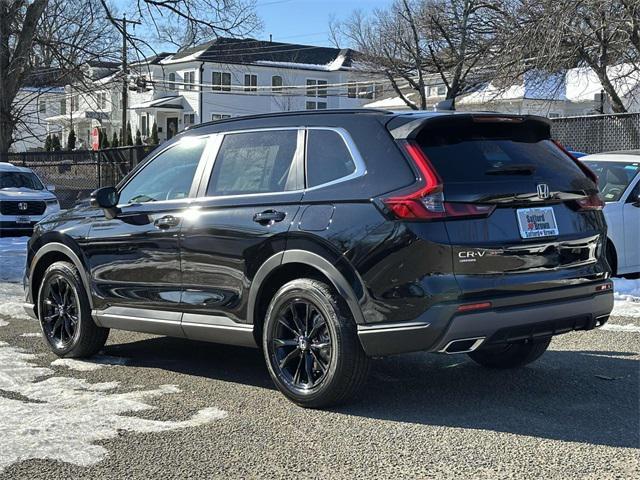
(153, 407)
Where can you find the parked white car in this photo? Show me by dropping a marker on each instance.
(619, 183)
(24, 200)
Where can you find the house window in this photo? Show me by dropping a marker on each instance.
(75, 103)
(189, 119)
(189, 80)
(221, 81)
(442, 90)
(378, 91)
(250, 83)
(276, 84)
(143, 125)
(316, 105)
(172, 81)
(42, 105)
(352, 90)
(316, 88)
(365, 91)
(219, 116)
(101, 99)
(63, 107)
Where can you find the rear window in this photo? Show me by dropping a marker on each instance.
(490, 152)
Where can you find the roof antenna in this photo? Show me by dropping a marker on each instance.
(448, 104)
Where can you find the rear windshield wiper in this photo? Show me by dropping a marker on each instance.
(512, 170)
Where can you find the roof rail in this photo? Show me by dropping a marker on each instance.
(291, 113)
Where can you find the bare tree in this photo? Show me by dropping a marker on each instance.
(555, 35)
(62, 36)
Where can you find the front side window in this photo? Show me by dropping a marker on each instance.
(255, 162)
(168, 176)
(328, 157)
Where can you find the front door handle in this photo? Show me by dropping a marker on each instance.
(167, 221)
(269, 217)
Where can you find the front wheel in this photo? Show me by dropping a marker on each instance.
(65, 314)
(511, 355)
(311, 345)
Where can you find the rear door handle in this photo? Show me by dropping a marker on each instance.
(269, 217)
(167, 221)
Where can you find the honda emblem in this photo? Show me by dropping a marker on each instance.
(543, 191)
(23, 205)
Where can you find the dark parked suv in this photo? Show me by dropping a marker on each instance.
(326, 238)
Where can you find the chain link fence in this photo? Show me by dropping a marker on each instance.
(598, 133)
(77, 173)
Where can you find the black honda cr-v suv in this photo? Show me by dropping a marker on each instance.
(326, 238)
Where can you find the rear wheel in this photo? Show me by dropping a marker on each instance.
(511, 355)
(311, 346)
(65, 315)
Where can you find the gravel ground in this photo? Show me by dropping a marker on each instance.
(573, 414)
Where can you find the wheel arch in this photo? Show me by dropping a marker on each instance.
(48, 254)
(289, 265)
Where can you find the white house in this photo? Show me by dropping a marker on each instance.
(222, 78)
(573, 93)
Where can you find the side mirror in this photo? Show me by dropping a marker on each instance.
(51, 188)
(107, 199)
(636, 201)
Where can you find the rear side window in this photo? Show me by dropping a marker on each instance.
(328, 157)
(489, 152)
(255, 162)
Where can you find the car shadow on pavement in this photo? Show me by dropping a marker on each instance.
(577, 396)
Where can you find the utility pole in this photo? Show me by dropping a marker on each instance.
(125, 69)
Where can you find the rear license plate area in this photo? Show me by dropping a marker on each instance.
(538, 222)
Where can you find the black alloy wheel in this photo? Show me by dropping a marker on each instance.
(301, 345)
(64, 311)
(311, 345)
(61, 311)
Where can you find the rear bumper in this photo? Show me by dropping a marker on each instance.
(510, 319)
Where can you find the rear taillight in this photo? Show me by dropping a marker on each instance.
(427, 202)
(592, 202)
(587, 171)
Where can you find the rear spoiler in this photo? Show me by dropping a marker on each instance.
(407, 127)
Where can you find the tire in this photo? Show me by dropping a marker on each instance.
(72, 333)
(311, 346)
(612, 258)
(512, 355)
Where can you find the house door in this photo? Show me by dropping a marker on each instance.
(172, 127)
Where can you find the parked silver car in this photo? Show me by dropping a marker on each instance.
(24, 200)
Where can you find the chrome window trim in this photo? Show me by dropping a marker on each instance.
(360, 171)
(361, 167)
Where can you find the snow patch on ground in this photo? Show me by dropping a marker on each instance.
(612, 327)
(93, 363)
(31, 334)
(63, 417)
(626, 297)
(11, 300)
(13, 258)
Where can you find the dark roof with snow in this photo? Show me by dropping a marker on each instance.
(251, 51)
